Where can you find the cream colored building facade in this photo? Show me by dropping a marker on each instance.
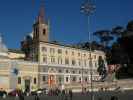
(18, 74)
(66, 65)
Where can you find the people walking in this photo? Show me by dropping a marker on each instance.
(70, 94)
(37, 97)
(21, 96)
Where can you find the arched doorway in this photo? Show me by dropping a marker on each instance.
(52, 78)
(27, 83)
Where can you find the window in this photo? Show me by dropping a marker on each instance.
(79, 62)
(94, 56)
(44, 78)
(95, 64)
(59, 60)
(44, 32)
(79, 78)
(45, 69)
(52, 50)
(79, 72)
(67, 71)
(34, 80)
(84, 62)
(36, 32)
(59, 51)
(19, 80)
(60, 71)
(52, 59)
(73, 62)
(74, 79)
(45, 59)
(78, 54)
(86, 72)
(86, 79)
(60, 80)
(66, 52)
(66, 61)
(73, 72)
(73, 53)
(66, 79)
(44, 49)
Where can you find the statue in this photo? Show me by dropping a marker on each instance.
(101, 68)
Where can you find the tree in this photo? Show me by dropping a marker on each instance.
(130, 26)
(26, 46)
(118, 31)
(104, 36)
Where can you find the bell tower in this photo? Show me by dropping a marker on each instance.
(40, 34)
(40, 27)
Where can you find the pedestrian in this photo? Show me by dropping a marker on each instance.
(21, 96)
(37, 97)
(63, 95)
(114, 98)
(1, 92)
(70, 94)
(100, 98)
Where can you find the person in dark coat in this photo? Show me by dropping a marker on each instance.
(70, 94)
(21, 96)
(114, 98)
(37, 97)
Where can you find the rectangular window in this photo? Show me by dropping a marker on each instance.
(59, 60)
(94, 56)
(74, 79)
(66, 52)
(67, 71)
(79, 62)
(59, 51)
(73, 62)
(34, 80)
(66, 61)
(44, 49)
(52, 50)
(84, 62)
(44, 78)
(86, 79)
(78, 54)
(45, 59)
(66, 79)
(59, 71)
(73, 53)
(44, 32)
(52, 59)
(19, 80)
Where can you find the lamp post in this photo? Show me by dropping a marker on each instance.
(87, 8)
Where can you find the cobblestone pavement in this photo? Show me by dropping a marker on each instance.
(122, 95)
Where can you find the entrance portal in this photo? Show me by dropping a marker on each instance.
(27, 85)
(51, 81)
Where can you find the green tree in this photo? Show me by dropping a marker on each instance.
(105, 37)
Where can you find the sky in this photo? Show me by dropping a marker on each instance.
(67, 24)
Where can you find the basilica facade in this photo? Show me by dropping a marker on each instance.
(44, 64)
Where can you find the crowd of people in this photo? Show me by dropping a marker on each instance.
(3, 93)
(62, 94)
(18, 93)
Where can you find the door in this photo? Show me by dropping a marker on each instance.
(27, 85)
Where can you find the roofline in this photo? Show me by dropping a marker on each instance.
(71, 47)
